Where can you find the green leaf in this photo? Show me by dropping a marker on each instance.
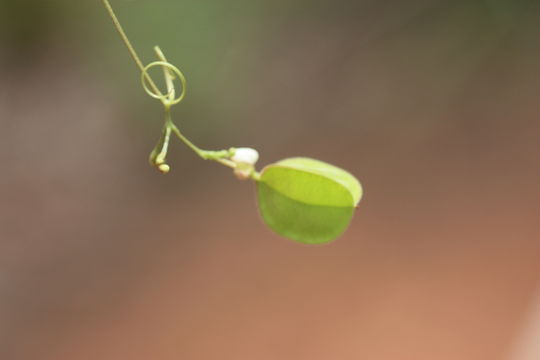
(307, 200)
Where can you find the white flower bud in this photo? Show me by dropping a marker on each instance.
(245, 156)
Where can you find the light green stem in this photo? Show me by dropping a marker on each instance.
(130, 47)
(169, 75)
(219, 156)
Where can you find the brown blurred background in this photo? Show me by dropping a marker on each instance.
(433, 104)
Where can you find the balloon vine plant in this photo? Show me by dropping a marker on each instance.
(303, 199)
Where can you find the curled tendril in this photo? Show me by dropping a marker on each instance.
(164, 98)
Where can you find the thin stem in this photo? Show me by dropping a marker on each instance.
(219, 156)
(177, 132)
(227, 162)
(130, 47)
(160, 158)
(255, 175)
(169, 75)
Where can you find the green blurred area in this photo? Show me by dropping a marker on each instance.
(222, 46)
(432, 104)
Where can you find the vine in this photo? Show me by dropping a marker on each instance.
(303, 199)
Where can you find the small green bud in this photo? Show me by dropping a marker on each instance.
(164, 168)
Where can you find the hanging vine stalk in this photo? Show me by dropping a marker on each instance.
(158, 156)
(303, 199)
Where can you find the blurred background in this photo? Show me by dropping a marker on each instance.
(432, 104)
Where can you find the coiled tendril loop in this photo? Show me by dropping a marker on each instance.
(171, 71)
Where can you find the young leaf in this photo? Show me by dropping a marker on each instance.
(307, 200)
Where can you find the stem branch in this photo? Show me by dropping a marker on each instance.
(158, 156)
